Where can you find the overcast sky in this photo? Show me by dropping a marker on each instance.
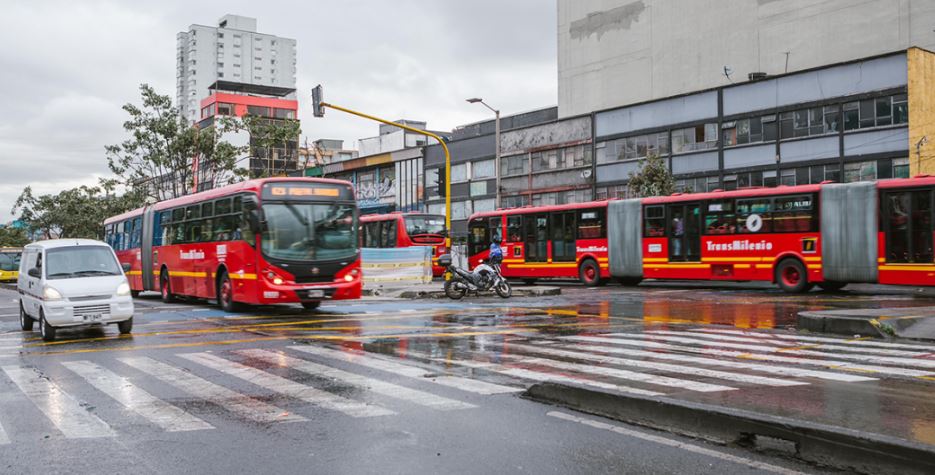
(67, 67)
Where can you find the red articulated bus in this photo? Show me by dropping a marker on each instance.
(259, 242)
(560, 241)
(829, 235)
(404, 230)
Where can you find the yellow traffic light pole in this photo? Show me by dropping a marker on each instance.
(421, 132)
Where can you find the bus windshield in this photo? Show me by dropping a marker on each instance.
(298, 231)
(431, 224)
(9, 260)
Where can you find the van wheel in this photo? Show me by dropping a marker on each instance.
(25, 321)
(125, 326)
(590, 273)
(226, 294)
(791, 276)
(165, 287)
(47, 331)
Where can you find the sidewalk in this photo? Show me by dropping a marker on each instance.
(905, 322)
(436, 291)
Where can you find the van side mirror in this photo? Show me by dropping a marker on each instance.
(126, 267)
(35, 272)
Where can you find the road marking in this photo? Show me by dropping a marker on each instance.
(157, 411)
(65, 412)
(287, 387)
(372, 361)
(4, 439)
(622, 374)
(786, 344)
(673, 443)
(856, 342)
(771, 349)
(843, 365)
(707, 373)
(415, 396)
(237, 403)
(522, 373)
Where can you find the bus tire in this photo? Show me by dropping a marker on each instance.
(165, 287)
(791, 276)
(831, 286)
(629, 281)
(225, 294)
(311, 305)
(590, 273)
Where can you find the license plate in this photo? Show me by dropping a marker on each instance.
(96, 317)
(315, 293)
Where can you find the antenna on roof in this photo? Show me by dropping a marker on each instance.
(727, 72)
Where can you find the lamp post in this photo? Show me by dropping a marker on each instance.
(496, 112)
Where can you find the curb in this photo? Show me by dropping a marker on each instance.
(837, 447)
(879, 324)
(840, 325)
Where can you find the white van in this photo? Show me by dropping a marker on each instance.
(72, 282)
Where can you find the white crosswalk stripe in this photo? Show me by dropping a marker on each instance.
(789, 351)
(380, 387)
(791, 344)
(288, 387)
(779, 370)
(232, 401)
(523, 373)
(738, 377)
(4, 439)
(855, 342)
(66, 413)
(157, 411)
(373, 361)
(829, 363)
(622, 374)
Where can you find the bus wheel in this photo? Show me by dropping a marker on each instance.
(831, 286)
(226, 294)
(590, 273)
(311, 305)
(791, 276)
(629, 281)
(164, 287)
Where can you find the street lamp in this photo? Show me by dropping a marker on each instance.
(475, 100)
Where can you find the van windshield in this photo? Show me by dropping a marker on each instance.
(80, 261)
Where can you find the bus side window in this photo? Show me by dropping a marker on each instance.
(496, 228)
(591, 224)
(388, 234)
(761, 207)
(794, 214)
(719, 217)
(654, 221)
(514, 228)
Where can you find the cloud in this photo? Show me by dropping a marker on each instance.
(61, 91)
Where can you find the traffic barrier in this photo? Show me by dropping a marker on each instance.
(396, 267)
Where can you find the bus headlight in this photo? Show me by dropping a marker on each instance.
(277, 281)
(123, 290)
(348, 278)
(50, 293)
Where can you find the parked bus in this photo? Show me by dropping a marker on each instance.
(9, 263)
(560, 241)
(405, 230)
(259, 242)
(829, 235)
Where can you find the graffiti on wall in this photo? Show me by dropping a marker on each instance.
(378, 192)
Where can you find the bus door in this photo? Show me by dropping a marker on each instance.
(513, 237)
(907, 225)
(684, 231)
(563, 236)
(536, 237)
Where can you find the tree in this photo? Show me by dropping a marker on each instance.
(267, 135)
(13, 237)
(74, 213)
(652, 179)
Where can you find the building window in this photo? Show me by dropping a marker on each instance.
(220, 64)
(459, 173)
(632, 148)
(876, 112)
(809, 122)
(613, 191)
(258, 111)
(578, 156)
(483, 169)
(900, 168)
(695, 185)
(514, 165)
(460, 210)
(284, 113)
(481, 206)
(478, 188)
(699, 137)
(220, 74)
(225, 108)
(548, 160)
(514, 201)
(220, 35)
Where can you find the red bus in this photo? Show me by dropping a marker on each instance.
(830, 235)
(560, 241)
(404, 230)
(259, 242)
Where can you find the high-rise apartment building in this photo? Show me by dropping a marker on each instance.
(231, 52)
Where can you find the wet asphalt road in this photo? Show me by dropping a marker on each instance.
(432, 386)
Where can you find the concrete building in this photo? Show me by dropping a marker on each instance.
(233, 51)
(618, 52)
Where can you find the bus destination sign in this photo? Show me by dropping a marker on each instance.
(306, 191)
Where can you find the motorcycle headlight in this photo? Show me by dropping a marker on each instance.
(123, 290)
(50, 293)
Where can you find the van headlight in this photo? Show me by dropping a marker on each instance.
(123, 290)
(50, 293)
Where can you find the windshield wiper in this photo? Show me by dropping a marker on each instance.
(92, 272)
(295, 212)
(59, 274)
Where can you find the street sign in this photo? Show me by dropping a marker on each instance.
(317, 109)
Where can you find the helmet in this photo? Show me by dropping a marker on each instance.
(495, 239)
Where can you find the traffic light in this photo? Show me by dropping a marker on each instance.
(442, 188)
(317, 109)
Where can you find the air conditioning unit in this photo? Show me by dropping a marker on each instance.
(756, 76)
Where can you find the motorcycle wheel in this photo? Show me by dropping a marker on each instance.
(503, 289)
(452, 292)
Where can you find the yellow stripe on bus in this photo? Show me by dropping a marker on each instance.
(680, 266)
(909, 267)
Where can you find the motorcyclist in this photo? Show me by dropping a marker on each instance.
(496, 252)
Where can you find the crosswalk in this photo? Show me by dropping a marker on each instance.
(288, 384)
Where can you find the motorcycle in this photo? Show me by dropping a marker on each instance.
(485, 277)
